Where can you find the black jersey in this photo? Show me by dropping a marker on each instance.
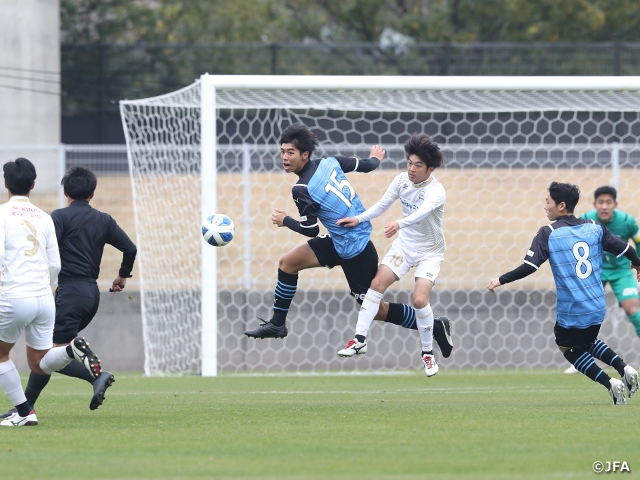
(82, 233)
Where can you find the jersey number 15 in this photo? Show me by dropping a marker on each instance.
(339, 186)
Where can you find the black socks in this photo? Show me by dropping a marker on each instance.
(285, 290)
(583, 361)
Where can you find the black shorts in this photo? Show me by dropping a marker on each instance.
(359, 270)
(576, 337)
(76, 304)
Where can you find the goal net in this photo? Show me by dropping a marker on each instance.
(212, 147)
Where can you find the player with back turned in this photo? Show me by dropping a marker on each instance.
(616, 271)
(574, 248)
(82, 234)
(29, 266)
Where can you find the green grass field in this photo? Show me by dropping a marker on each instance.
(457, 425)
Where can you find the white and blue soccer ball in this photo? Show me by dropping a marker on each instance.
(218, 230)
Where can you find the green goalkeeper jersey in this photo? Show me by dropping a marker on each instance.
(624, 226)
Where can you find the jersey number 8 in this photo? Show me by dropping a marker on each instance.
(583, 260)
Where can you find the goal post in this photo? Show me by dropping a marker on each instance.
(208, 153)
(212, 147)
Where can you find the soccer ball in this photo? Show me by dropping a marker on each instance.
(218, 230)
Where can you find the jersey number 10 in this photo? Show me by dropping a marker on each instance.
(340, 185)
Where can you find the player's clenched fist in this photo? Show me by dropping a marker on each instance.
(277, 217)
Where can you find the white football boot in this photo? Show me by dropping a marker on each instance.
(617, 392)
(430, 365)
(16, 420)
(354, 347)
(630, 380)
(571, 370)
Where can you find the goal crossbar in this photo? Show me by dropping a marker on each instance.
(211, 94)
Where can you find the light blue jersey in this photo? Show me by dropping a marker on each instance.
(575, 256)
(574, 248)
(330, 189)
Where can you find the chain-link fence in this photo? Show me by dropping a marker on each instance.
(96, 76)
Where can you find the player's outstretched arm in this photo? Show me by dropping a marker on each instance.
(281, 219)
(516, 274)
(364, 165)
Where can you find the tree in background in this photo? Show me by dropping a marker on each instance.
(212, 21)
(114, 49)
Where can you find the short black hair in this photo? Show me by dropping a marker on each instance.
(301, 136)
(422, 146)
(79, 182)
(606, 190)
(19, 175)
(565, 192)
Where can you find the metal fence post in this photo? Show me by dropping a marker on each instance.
(247, 281)
(62, 168)
(615, 165)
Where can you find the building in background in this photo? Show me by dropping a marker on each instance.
(30, 85)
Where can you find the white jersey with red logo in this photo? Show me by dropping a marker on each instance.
(29, 256)
(421, 228)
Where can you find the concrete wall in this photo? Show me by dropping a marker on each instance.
(115, 335)
(30, 82)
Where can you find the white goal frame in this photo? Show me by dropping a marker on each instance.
(210, 84)
(447, 95)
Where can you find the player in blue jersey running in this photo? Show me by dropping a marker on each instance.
(324, 194)
(574, 248)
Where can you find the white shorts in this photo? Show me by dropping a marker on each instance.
(35, 316)
(400, 261)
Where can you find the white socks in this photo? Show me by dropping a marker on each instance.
(424, 322)
(368, 310)
(10, 383)
(55, 359)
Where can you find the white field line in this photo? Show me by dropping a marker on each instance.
(468, 390)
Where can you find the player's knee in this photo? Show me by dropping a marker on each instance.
(286, 264)
(34, 365)
(420, 302)
(376, 285)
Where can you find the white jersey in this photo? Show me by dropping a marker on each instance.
(29, 256)
(421, 228)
